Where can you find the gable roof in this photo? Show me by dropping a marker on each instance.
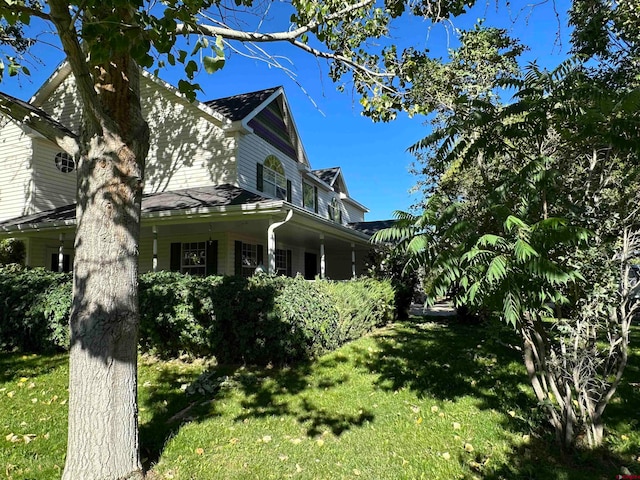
(327, 175)
(237, 107)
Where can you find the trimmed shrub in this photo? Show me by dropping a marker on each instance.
(362, 305)
(259, 320)
(175, 314)
(34, 309)
(308, 319)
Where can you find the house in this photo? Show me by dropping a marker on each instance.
(228, 187)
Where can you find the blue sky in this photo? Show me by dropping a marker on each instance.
(373, 156)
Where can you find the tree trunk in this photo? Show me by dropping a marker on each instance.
(103, 414)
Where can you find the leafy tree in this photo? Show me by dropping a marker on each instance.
(532, 214)
(106, 44)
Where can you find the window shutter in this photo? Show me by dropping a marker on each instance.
(260, 250)
(212, 257)
(289, 191)
(174, 262)
(315, 195)
(289, 268)
(237, 260)
(259, 177)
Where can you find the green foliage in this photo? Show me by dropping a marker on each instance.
(310, 320)
(34, 309)
(174, 317)
(362, 305)
(12, 251)
(259, 320)
(387, 263)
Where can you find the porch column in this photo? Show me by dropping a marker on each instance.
(353, 260)
(323, 269)
(61, 253)
(155, 249)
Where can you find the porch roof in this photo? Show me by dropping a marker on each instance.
(224, 202)
(186, 199)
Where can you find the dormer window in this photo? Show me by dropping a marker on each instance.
(271, 179)
(65, 162)
(335, 211)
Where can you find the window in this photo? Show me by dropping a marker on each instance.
(281, 262)
(194, 258)
(310, 197)
(65, 162)
(335, 212)
(273, 180)
(249, 259)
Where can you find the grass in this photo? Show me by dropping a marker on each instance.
(431, 400)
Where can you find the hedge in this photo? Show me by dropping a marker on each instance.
(259, 320)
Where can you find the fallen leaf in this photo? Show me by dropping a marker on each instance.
(468, 447)
(28, 437)
(415, 409)
(11, 394)
(456, 426)
(446, 455)
(434, 409)
(419, 421)
(266, 439)
(199, 451)
(356, 472)
(320, 442)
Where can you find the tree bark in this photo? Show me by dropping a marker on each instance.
(103, 439)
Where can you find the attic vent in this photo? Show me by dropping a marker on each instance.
(65, 162)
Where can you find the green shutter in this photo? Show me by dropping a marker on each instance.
(212, 257)
(289, 191)
(315, 194)
(289, 268)
(259, 177)
(260, 255)
(174, 262)
(237, 260)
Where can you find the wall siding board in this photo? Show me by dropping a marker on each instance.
(252, 150)
(16, 185)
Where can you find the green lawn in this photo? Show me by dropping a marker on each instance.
(431, 400)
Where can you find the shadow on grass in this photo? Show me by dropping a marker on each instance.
(17, 365)
(434, 357)
(266, 392)
(447, 360)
